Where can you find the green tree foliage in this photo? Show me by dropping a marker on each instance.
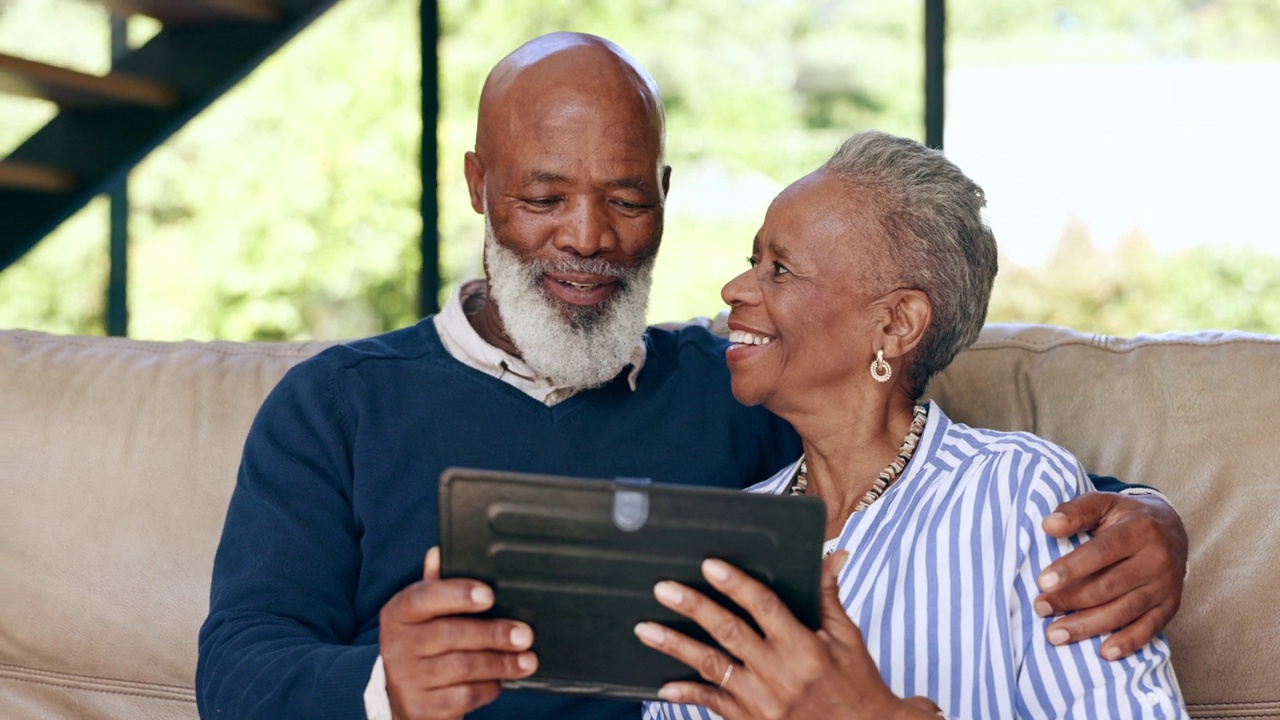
(289, 209)
(1029, 31)
(1136, 289)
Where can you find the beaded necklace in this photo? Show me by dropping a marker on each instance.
(886, 477)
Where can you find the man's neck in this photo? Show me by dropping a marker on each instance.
(482, 313)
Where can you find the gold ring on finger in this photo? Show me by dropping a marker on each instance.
(728, 673)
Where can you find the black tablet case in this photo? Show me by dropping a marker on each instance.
(577, 560)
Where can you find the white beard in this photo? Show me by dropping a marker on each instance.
(572, 346)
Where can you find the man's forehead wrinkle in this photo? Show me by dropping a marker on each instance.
(628, 183)
(531, 137)
(539, 177)
(545, 176)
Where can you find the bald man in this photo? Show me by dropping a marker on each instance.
(322, 603)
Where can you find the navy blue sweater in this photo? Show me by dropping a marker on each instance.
(335, 503)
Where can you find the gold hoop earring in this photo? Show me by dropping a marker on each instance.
(880, 369)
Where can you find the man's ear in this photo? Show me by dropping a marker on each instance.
(908, 314)
(666, 180)
(474, 171)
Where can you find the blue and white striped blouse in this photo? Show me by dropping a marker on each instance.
(941, 578)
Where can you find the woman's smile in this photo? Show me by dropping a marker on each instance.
(746, 344)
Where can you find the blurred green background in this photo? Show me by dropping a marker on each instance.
(289, 209)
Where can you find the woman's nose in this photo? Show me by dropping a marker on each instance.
(741, 290)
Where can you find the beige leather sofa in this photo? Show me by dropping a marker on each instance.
(117, 458)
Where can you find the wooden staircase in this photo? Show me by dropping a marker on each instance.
(72, 89)
(107, 123)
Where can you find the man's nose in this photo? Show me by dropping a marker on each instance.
(588, 230)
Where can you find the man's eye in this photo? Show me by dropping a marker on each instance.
(780, 269)
(543, 201)
(753, 261)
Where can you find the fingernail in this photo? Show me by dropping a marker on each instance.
(481, 595)
(650, 633)
(1111, 653)
(1043, 609)
(1056, 516)
(521, 636)
(842, 559)
(715, 569)
(1049, 580)
(669, 592)
(527, 661)
(670, 694)
(1058, 636)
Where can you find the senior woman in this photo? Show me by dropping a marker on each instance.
(867, 277)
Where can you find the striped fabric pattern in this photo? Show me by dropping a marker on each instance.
(941, 579)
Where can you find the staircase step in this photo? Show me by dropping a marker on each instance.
(95, 148)
(24, 176)
(198, 12)
(71, 88)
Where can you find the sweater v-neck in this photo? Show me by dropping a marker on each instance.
(554, 414)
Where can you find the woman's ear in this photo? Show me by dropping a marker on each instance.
(908, 314)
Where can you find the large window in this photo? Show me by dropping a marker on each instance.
(1127, 149)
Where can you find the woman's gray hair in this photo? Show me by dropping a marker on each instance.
(931, 213)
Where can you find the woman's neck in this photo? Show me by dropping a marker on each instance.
(846, 447)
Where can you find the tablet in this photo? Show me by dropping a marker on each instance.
(577, 559)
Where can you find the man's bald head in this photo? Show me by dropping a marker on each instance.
(562, 72)
(568, 172)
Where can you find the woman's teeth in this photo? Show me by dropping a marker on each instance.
(743, 337)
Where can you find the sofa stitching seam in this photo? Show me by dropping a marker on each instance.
(127, 693)
(1262, 704)
(9, 669)
(1041, 347)
(242, 349)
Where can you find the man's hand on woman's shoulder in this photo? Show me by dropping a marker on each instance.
(1127, 578)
